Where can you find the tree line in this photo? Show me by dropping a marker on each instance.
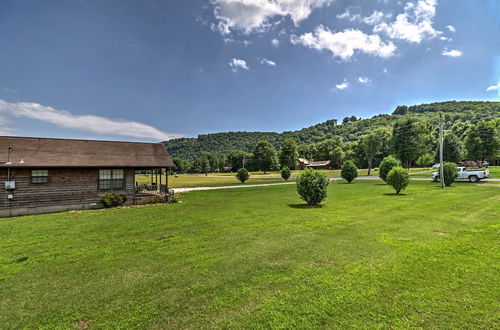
(412, 141)
(350, 129)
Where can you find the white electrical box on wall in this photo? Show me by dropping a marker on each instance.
(10, 184)
(10, 196)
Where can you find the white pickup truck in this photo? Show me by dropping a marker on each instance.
(464, 174)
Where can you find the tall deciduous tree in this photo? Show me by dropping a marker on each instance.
(288, 154)
(265, 156)
(482, 141)
(371, 144)
(337, 156)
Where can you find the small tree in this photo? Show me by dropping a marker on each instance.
(349, 171)
(425, 160)
(398, 178)
(388, 163)
(285, 173)
(450, 173)
(312, 186)
(242, 175)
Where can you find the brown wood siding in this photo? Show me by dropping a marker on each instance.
(65, 186)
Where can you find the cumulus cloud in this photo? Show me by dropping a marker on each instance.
(86, 123)
(414, 25)
(493, 88)
(346, 43)
(268, 62)
(342, 86)
(451, 28)
(452, 53)
(275, 42)
(364, 80)
(236, 64)
(256, 15)
(375, 18)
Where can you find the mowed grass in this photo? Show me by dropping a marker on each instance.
(259, 258)
(229, 179)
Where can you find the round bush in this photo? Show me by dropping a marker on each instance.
(312, 186)
(285, 173)
(398, 178)
(387, 164)
(242, 175)
(450, 173)
(349, 171)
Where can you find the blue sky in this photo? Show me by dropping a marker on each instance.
(151, 70)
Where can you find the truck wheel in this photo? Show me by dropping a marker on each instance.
(436, 179)
(473, 178)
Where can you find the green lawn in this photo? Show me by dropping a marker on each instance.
(229, 179)
(258, 258)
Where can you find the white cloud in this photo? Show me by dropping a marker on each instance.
(452, 53)
(349, 16)
(364, 80)
(451, 28)
(255, 15)
(346, 43)
(414, 25)
(268, 62)
(275, 42)
(87, 123)
(376, 18)
(493, 88)
(342, 86)
(385, 70)
(237, 64)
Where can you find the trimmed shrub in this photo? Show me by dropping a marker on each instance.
(312, 186)
(349, 171)
(450, 173)
(112, 199)
(387, 164)
(398, 178)
(285, 173)
(242, 175)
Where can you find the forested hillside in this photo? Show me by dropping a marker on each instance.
(349, 129)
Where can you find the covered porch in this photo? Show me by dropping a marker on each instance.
(151, 184)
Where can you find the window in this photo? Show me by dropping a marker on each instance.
(110, 179)
(39, 176)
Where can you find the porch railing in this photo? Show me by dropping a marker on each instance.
(150, 189)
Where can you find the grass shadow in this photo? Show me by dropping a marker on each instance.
(394, 194)
(305, 206)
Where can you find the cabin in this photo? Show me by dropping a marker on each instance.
(303, 162)
(43, 175)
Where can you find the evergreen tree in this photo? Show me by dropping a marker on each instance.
(405, 141)
(452, 149)
(289, 153)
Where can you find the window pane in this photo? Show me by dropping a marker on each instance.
(118, 174)
(39, 172)
(105, 184)
(118, 184)
(104, 174)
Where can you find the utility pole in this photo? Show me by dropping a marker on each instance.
(243, 160)
(441, 144)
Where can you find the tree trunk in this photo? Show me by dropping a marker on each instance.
(369, 167)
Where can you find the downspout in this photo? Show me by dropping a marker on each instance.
(8, 163)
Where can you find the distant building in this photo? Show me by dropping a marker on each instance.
(303, 162)
(318, 165)
(41, 175)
